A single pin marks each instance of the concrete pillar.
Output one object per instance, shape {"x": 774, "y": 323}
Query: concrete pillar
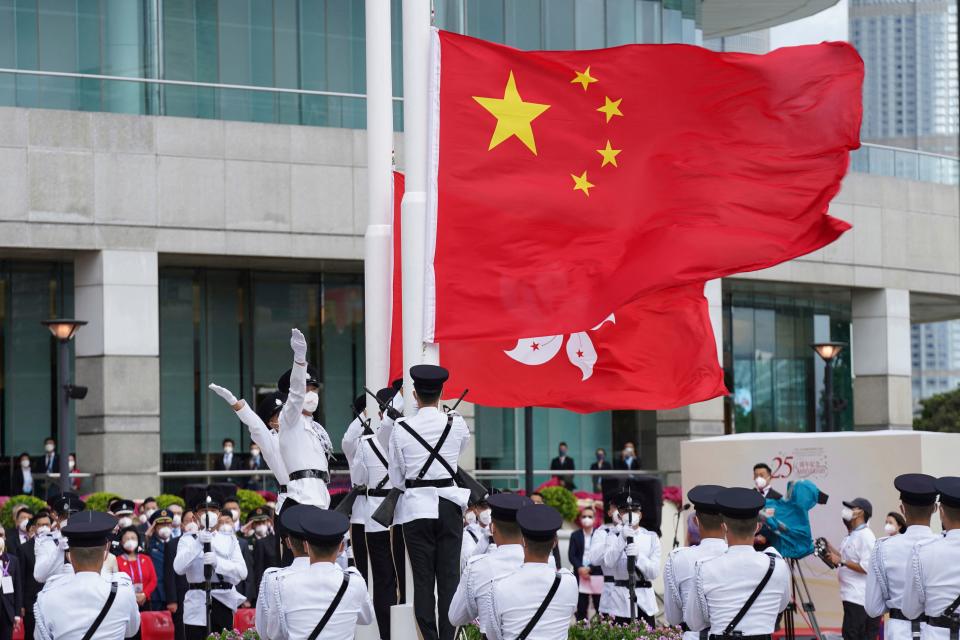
{"x": 699, "y": 420}
{"x": 881, "y": 359}
{"x": 118, "y": 358}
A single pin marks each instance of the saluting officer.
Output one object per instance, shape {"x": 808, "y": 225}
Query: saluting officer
{"x": 423, "y": 455}
{"x": 85, "y": 604}
{"x": 536, "y": 601}
{"x": 679, "y": 569}
{"x": 472, "y": 600}
{"x": 51, "y": 547}
{"x": 322, "y": 600}
{"x": 933, "y": 580}
{"x": 643, "y": 546}
{"x": 889, "y": 570}
{"x": 740, "y": 593}
{"x": 268, "y": 615}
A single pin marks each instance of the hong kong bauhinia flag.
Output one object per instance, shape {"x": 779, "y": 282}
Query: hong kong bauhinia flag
{"x": 657, "y": 352}
{"x": 564, "y": 185}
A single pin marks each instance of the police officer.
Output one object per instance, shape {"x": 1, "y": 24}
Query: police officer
{"x": 933, "y": 581}
{"x": 51, "y": 547}
{"x": 740, "y": 593}
{"x": 423, "y": 455}
{"x": 888, "y": 570}
{"x": 643, "y": 547}
{"x": 678, "y": 571}
{"x": 360, "y": 425}
{"x": 472, "y": 599}
{"x": 268, "y": 615}
{"x": 597, "y": 547}
{"x": 476, "y": 533}
{"x": 536, "y": 601}
{"x": 85, "y": 604}
{"x": 323, "y": 600}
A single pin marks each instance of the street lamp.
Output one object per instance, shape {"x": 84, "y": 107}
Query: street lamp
{"x": 828, "y": 352}
{"x": 63, "y": 330}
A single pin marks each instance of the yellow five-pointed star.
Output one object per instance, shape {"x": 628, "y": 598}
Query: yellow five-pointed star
{"x": 513, "y": 116}
{"x": 609, "y": 155}
{"x": 580, "y": 183}
{"x": 584, "y": 78}
{"x": 610, "y": 107}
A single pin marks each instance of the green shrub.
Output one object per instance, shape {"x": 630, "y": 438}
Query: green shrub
{"x": 6, "y": 513}
{"x": 249, "y": 500}
{"x": 164, "y": 500}
{"x": 100, "y": 500}
{"x": 562, "y": 500}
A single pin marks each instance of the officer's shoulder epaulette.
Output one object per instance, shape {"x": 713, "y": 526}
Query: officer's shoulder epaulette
{"x": 474, "y": 559}
{"x": 676, "y": 552}
{"x": 563, "y": 571}
{"x": 122, "y": 579}
{"x": 272, "y": 570}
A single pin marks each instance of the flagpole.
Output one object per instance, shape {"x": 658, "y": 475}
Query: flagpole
{"x": 528, "y": 449}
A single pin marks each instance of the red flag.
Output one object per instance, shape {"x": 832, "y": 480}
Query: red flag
{"x": 565, "y": 184}
{"x": 658, "y": 352}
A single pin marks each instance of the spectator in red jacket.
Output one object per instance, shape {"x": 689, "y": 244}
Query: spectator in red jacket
{"x": 137, "y": 565}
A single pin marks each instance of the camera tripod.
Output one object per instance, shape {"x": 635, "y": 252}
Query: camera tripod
{"x": 799, "y": 592}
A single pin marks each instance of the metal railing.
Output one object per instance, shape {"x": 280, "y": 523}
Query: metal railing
{"x": 908, "y": 164}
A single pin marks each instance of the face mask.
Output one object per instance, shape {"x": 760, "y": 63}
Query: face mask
{"x": 72, "y": 464}
{"x": 142, "y": 518}
{"x": 3, "y": 544}
{"x": 485, "y": 517}
{"x": 470, "y": 517}
{"x": 165, "y": 533}
{"x": 209, "y": 520}
{"x": 260, "y": 530}
{"x": 49, "y": 448}
{"x": 125, "y": 522}
{"x": 177, "y": 519}
{"x": 191, "y": 527}
{"x": 890, "y": 528}
{"x": 63, "y": 523}
{"x": 226, "y": 529}
{"x": 228, "y": 450}
{"x": 130, "y": 546}
{"x": 586, "y": 522}
{"x": 627, "y": 453}
{"x": 760, "y": 481}
{"x": 615, "y": 518}
{"x": 234, "y": 514}
{"x": 255, "y": 453}
{"x": 43, "y": 530}
{"x": 24, "y": 464}
{"x": 600, "y": 457}
{"x": 150, "y": 512}
{"x": 633, "y": 519}
{"x": 847, "y": 514}
{"x": 563, "y": 452}
{"x": 311, "y": 401}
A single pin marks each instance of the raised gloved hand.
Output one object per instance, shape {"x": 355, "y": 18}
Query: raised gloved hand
{"x": 205, "y": 537}
{"x": 210, "y": 558}
{"x": 223, "y": 393}
{"x": 299, "y": 345}
{"x": 633, "y": 549}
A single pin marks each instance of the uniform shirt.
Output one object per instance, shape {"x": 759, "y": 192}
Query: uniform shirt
{"x": 351, "y": 438}
{"x": 472, "y": 599}
{"x": 50, "y": 552}
{"x": 304, "y": 444}
{"x": 597, "y": 547}
{"x": 230, "y": 567}
{"x": 678, "y": 578}
{"x": 407, "y": 456}
{"x": 268, "y": 615}
{"x": 856, "y": 547}
{"x": 887, "y": 575}
{"x": 476, "y": 542}
{"x": 305, "y": 596}
{"x": 721, "y": 586}
{"x": 368, "y": 469}
{"x": 269, "y": 442}
{"x": 517, "y": 597}
{"x": 648, "y": 563}
{"x": 934, "y": 581}
{"x": 69, "y": 603}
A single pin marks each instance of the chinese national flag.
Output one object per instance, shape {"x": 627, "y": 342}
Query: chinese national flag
{"x": 566, "y": 184}
{"x": 658, "y": 352}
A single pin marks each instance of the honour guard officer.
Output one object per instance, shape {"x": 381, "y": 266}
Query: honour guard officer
{"x": 423, "y": 455}
{"x": 304, "y": 444}
{"x": 889, "y": 560}
{"x": 640, "y": 547}
{"x": 597, "y": 547}
{"x": 51, "y": 547}
{"x": 472, "y": 599}
{"x": 358, "y": 512}
{"x": 476, "y": 531}
{"x": 268, "y": 615}
{"x": 323, "y": 600}
{"x": 933, "y": 579}
{"x": 221, "y": 551}
{"x": 678, "y": 571}
{"x": 85, "y": 604}
{"x": 536, "y": 601}
{"x": 740, "y": 593}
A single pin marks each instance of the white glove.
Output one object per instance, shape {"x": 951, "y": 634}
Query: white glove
{"x": 210, "y": 558}
{"x": 633, "y": 549}
{"x": 205, "y": 537}
{"x": 223, "y": 393}
{"x": 299, "y": 345}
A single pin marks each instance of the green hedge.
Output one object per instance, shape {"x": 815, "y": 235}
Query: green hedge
{"x": 164, "y": 500}
{"x": 6, "y": 513}
{"x": 100, "y": 500}
{"x": 562, "y": 500}
{"x": 249, "y": 500}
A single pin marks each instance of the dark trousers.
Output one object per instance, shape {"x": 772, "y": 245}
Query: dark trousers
{"x": 221, "y": 617}
{"x": 857, "y": 625}
{"x": 384, "y": 574}
{"x": 399, "y": 562}
{"x": 583, "y": 604}
{"x": 434, "y": 548}
{"x": 29, "y": 622}
{"x": 179, "y": 632}
{"x": 286, "y": 556}
{"x": 358, "y": 543}
{"x": 6, "y": 626}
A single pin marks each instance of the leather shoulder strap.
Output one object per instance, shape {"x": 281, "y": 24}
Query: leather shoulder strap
{"x": 434, "y": 451}
{"x": 333, "y": 607}
{"x": 543, "y": 608}
{"x": 949, "y": 611}
{"x": 103, "y": 612}
{"x": 753, "y": 597}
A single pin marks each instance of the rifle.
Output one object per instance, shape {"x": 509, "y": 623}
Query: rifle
{"x": 346, "y": 505}
{"x": 463, "y": 479}
{"x": 385, "y": 407}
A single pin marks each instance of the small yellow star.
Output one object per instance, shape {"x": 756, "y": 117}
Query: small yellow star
{"x": 584, "y": 78}
{"x": 514, "y": 116}
{"x": 580, "y": 183}
{"x": 609, "y": 155}
{"x": 611, "y": 107}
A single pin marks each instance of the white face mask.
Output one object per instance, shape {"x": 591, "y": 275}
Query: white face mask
{"x": 586, "y": 522}
{"x": 130, "y": 546}
{"x": 847, "y": 514}
{"x": 125, "y": 522}
{"x": 150, "y": 512}
{"x": 23, "y": 525}
{"x": 485, "y": 517}
{"x": 615, "y": 518}
{"x": 234, "y": 514}
{"x": 760, "y": 481}
{"x": 209, "y": 520}
{"x": 3, "y": 544}
{"x": 43, "y": 530}
{"x": 72, "y": 464}
{"x": 142, "y": 518}
{"x": 255, "y": 453}
{"x": 633, "y": 519}
{"x": 311, "y": 401}
{"x": 226, "y": 529}
{"x": 228, "y": 450}
{"x": 177, "y": 519}
{"x": 627, "y": 453}
{"x": 49, "y": 447}
{"x": 191, "y": 527}
{"x": 890, "y": 528}
{"x": 261, "y": 530}
{"x": 165, "y": 533}
{"x": 470, "y": 517}
{"x": 24, "y": 464}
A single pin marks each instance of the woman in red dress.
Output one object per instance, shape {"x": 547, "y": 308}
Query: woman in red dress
{"x": 137, "y": 565}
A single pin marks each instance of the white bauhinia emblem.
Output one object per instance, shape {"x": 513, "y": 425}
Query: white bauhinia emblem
{"x": 541, "y": 350}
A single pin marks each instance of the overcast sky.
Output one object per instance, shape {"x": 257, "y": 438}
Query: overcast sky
{"x": 826, "y": 25}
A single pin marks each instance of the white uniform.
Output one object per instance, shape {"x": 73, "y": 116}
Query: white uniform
{"x": 721, "y": 586}
{"x": 517, "y": 597}
{"x": 50, "y": 552}
{"x": 476, "y": 542}
{"x": 368, "y": 469}
{"x": 856, "y": 547}
{"x": 351, "y": 438}
{"x": 934, "y": 581}
{"x": 229, "y": 567}
{"x": 305, "y": 596}
{"x": 472, "y": 599}
{"x": 268, "y": 613}
{"x": 69, "y": 604}
{"x": 597, "y": 547}
{"x": 887, "y": 575}
{"x": 678, "y": 578}
{"x": 304, "y": 444}
{"x": 648, "y": 563}
{"x": 269, "y": 442}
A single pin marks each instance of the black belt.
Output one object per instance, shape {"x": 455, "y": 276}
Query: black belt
{"x": 704, "y": 634}
{"x": 639, "y": 584}
{"x": 283, "y": 488}
{"x": 766, "y": 636}
{"x": 310, "y": 473}
{"x": 378, "y": 493}
{"x": 437, "y": 484}
{"x": 608, "y": 578}
{"x": 214, "y": 586}
{"x": 896, "y": 614}
{"x": 944, "y": 622}
{"x": 359, "y": 488}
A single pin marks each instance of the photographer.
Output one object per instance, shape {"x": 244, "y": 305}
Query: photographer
{"x": 853, "y": 561}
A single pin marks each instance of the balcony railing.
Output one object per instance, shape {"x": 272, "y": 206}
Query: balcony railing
{"x": 908, "y": 164}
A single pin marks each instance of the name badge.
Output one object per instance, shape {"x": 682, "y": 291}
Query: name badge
{"x": 6, "y": 583}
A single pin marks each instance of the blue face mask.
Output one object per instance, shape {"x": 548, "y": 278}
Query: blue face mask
{"x": 600, "y": 457}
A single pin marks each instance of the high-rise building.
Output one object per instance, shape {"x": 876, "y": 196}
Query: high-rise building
{"x": 936, "y": 359}
{"x": 751, "y": 42}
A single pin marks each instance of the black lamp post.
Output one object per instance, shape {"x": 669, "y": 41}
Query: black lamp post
{"x": 64, "y": 330}
{"x": 828, "y": 352}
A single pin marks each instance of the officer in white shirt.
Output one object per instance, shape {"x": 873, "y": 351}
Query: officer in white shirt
{"x": 740, "y": 593}
{"x": 472, "y": 599}
{"x": 221, "y": 552}
{"x": 853, "y": 562}
{"x": 634, "y": 545}
{"x": 304, "y": 445}
{"x": 323, "y": 600}
{"x": 51, "y": 547}
{"x": 70, "y": 604}
{"x": 679, "y": 569}
{"x": 535, "y": 601}
{"x": 361, "y": 425}
{"x": 597, "y": 547}
{"x": 889, "y": 570}
{"x": 933, "y": 582}
{"x": 423, "y": 455}
{"x": 476, "y": 532}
